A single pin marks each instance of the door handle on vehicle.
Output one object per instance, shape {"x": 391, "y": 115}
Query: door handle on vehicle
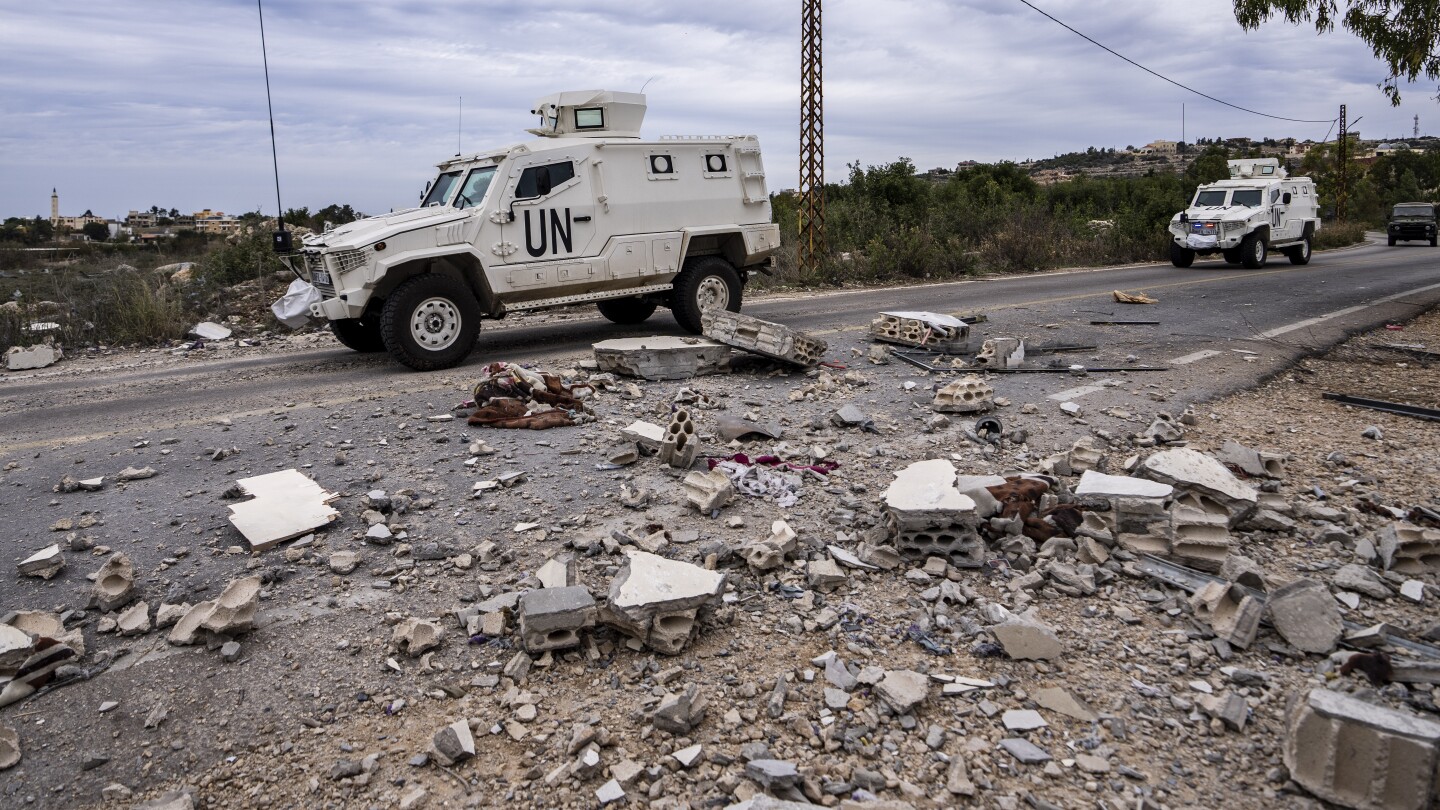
{"x": 585, "y": 218}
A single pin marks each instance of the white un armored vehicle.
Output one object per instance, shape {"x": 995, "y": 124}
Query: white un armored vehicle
{"x": 1257, "y": 210}
{"x": 585, "y": 212}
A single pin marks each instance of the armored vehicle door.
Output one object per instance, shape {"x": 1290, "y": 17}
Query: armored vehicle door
{"x": 548, "y": 211}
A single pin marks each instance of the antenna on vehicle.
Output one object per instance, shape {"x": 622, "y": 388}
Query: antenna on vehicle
{"x": 281, "y": 243}
{"x": 459, "y": 126}
{"x": 647, "y": 83}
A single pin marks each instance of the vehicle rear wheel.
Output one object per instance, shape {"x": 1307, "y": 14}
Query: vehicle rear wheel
{"x": 1181, "y": 257}
{"x": 626, "y": 310}
{"x": 1232, "y": 256}
{"x": 430, "y": 322}
{"x": 1392, "y": 241}
{"x": 359, "y": 334}
{"x": 707, "y": 282}
{"x": 1433, "y": 240}
{"x": 1253, "y": 251}
{"x": 1300, "y": 254}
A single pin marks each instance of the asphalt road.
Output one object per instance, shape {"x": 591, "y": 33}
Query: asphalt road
{"x": 1208, "y": 315}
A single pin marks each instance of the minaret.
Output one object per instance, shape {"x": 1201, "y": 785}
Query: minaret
{"x": 54, "y": 208}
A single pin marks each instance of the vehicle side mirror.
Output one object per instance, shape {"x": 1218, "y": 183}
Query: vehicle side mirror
{"x": 1184, "y": 217}
{"x": 426, "y": 192}
{"x": 1286, "y": 199}
{"x": 542, "y": 181}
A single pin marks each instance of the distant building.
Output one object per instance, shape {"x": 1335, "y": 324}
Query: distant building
{"x": 208, "y": 221}
{"x": 73, "y": 223}
{"x": 140, "y": 219}
{"x": 1161, "y": 147}
{"x": 1387, "y": 148}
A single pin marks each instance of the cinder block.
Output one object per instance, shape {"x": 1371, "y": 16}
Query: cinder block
{"x": 1360, "y": 755}
{"x": 680, "y": 445}
{"x": 1001, "y": 353}
{"x": 1409, "y": 549}
{"x": 708, "y": 491}
{"x": 1199, "y": 532}
{"x": 771, "y": 340}
{"x": 927, "y": 330}
{"x": 1233, "y": 614}
{"x": 969, "y": 394}
{"x": 552, "y": 618}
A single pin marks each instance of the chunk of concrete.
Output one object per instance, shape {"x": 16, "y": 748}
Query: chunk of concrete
{"x": 929, "y": 330}
{"x": 925, "y": 495}
{"x": 234, "y": 611}
{"x": 680, "y": 445}
{"x": 1026, "y": 638}
{"x": 15, "y": 646}
{"x": 764, "y": 338}
{"x": 209, "y": 330}
{"x": 679, "y": 713}
{"x": 824, "y": 575}
{"x": 453, "y": 743}
{"x": 557, "y": 572}
{"x": 1194, "y": 471}
{"x": 134, "y": 620}
{"x": 1199, "y": 532}
{"x": 1363, "y": 579}
{"x": 903, "y": 690}
{"x": 9, "y": 748}
{"x": 286, "y": 505}
{"x": 1003, "y": 352}
{"x": 1121, "y": 486}
{"x": 1356, "y": 754}
{"x": 708, "y": 491}
{"x": 1306, "y": 616}
{"x": 1409, "y": 549}
{"x": 1254, "y": 463}
{"x": 46, "y": 563}
{"x": 1061, "y": 701}
{"x": 552, "y": 618}
{"x": 1022, "y": 749}
{"x": 1233, "y": 615}
{"x": 968, "y": 394}
{"x": 21, "y": 358}
{"x": 114, "y": 584}
{"x": 647, "y": 434}
{"x": 655, "y": 600}
{"x": 414, "y": 637}
{"x": 662, "y": 357}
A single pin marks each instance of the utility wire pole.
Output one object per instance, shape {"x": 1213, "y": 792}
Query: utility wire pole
{"x": 811, "y": 214}
{"x": 1342, "y": 151}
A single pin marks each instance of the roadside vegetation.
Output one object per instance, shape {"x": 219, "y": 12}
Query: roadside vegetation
{"x": 886, "y": 224}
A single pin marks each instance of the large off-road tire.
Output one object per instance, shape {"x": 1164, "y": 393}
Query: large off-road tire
{"x": 1181, "y": 257}
{"x": 626, "y": 310}
{"x": 1253, "y": 251}
{"x": 1300, "y": 254}
{"x": 1392, "y": 241}
{"x": 1433, "y": 240}
{"x": 360, "y": 334}
{"x": 1232, "y": 256}
{"x": 705, "y": 282}
{"x": 430, "y": 322}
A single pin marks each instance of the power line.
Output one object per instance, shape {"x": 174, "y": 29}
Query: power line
{"x": 1168, "y": 79}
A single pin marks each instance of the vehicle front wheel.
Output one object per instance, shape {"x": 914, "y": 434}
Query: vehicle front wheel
{"x": 626, "y": 310}
{"x": 430, "y": 322}
{"x": 1392, "y": 241}
{"x": 1433, "y": 240}
{"x": 1181, "y": 257}
{"x": 1254, "y": 252}
{"x": 1300, "y": 254}
{"x": 707, "y": 282}
{"x": 1232, "y": 255}
{"x": 359, "y": 334}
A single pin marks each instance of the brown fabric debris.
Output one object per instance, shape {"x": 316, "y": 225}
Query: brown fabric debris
{"x": 1133, "y": 298}
{"x": 509, "y": 396}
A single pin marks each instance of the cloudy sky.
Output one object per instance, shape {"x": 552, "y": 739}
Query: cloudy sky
{"x": 125, "y": 104}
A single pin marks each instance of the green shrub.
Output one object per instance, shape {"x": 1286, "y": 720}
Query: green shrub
{"x": 1338, "y": 234}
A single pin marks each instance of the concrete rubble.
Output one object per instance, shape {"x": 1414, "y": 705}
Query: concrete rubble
{"x": 925, "y": 330}
{"x": 657, "y": 601}
{"x": 772, "y": 340}
{"x": 968, "y": 394}
{"x": 1360, "y": 755}
{"x": 114, "y": 584}
{"x": 41, "y": 355}
{"x": 46, "y": 563}
{"x": 553, "y": 618}
{"x": 1002, "y": 352}
{"x": 680, "y": 445}
{"x": 662, "y": 357}
{"x": 286, "y": 505}
{"x": 708, "y": 491}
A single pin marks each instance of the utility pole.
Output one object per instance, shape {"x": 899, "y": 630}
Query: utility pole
{"x": 811, "y": 215}
{"x": 1342, "y": 149}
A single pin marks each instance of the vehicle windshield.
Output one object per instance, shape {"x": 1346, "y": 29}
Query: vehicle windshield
{"x": 1213, "y": 197}
{"x": 1414, "y": 211}
{"x": 472, "y": 193}
{"x": 440, "y": 191}
{"x": 1246, "y": 196}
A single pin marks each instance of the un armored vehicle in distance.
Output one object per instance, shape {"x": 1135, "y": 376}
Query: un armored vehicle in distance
{"x": 1258, "y": 210}
{"x": 586, "y": 212}
{"x": 1412, "y": 221}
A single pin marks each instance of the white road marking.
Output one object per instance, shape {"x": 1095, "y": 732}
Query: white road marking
{"x": 1076, "y": 393}
{"x": 1340, "y": 313}
{"x": 1193, "y": 356}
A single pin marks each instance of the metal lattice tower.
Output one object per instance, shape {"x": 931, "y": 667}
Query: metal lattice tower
{"x": 812, "y": 142}
{"x": 1417, "y": 127}
{"x": 1342, "y": 157}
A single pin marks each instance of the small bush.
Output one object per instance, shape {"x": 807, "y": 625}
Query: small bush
{"x": 1338, "y": 234}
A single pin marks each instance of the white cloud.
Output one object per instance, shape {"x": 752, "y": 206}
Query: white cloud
{"x": 128, "y": 104}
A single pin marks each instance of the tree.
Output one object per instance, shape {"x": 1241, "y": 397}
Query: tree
{"x": 1209, "y": 166}
{"x": 96, "y": 231}
{"x": 1402, "y": 33}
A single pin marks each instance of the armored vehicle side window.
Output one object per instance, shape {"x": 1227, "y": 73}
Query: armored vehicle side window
{"x": 590, "y": 118}
{"x": 1212, "y": 197}
{"x": 440, "y": 191}
{"x": 472, "y": 193}
{"x": 1247, "y": 196}
{"x": 529, "y": 185}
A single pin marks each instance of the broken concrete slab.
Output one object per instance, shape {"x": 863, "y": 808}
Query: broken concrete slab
{"x": 1409, "y": 549}
{"x": 557, "y": 572}
{"x": 655, "y": 600}
{"x": 1362, "y": 579}
{"x": 773, "y": 340}
{"x": 1201, "y": 474}
{"x": 1233, "y": 614}
{"x": 552, "y": 618}
{"x": 136, "y": 474}
{"x": 114, "y": 584}
{"x": 1121, "y": 486}
{"x": 15, "y": 646}
{"x": 968, "y": 394}
{"x": 22, "y": 358}
{"x": 414, "y": 637}
{"x": 286, "y": 505}
{"x": 708, "y": 491}
{"x": 903, "y": 690}
{"x": 134, "y": 620}
{"x": 927, "y": 330}
{"x": 662, "y": 357}
{"x": 924, "y": 494}
{"x": 453, "y": 743}
{"x": 1024, "y": 637}
{"x": 1306, "y": 616}
{"x": 1356, "y": 754}
{"x": 1025, "y": 751}
{"x": 1061, "y": 701}
{"x": 45, "y": 563}
{"x": 647, "y": 434}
